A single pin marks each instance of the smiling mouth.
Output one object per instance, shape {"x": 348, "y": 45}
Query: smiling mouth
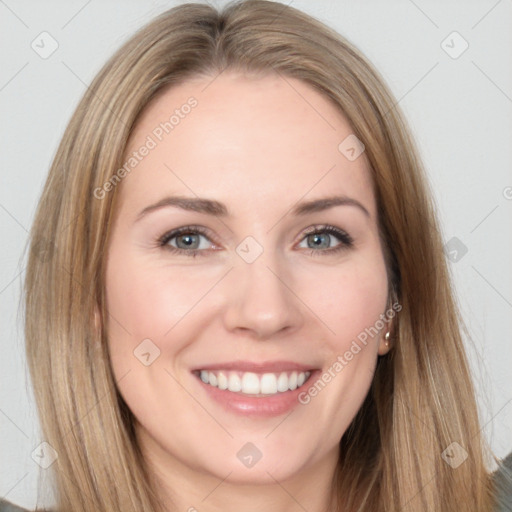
{"x": 253, "y": 384}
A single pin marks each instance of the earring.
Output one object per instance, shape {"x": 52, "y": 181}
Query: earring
{"x": 386, "y": 337}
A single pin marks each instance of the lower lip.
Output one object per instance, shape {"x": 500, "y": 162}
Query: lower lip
{"x": 260, "y": 406}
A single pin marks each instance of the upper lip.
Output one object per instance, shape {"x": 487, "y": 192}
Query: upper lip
{"x": 263, "y": 367}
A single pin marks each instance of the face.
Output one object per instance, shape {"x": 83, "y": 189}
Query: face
{"x": 242, "y": 310}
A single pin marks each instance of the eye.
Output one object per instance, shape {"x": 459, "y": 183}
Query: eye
{"x": 187, "y": 240}
{"x": 321, "y": 236}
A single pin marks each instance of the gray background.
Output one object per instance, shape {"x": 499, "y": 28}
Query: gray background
{"x": 460, "y": 110}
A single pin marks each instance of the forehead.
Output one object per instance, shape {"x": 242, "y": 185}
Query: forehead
{"x": 244, "y": 141}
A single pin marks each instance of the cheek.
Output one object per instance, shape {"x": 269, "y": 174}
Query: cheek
{"x": 147, "y": 300}
{"x": 349, "y": 300}
{"x": 351, "y": 305}
{"x": 144, "y": 303}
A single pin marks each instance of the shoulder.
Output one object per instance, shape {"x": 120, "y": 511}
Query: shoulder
{"x": 5, "y": 506}
{"x": 503, "y": 480}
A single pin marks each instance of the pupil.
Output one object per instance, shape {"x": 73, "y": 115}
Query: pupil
{"x": 318, "y": 238}
{"x": 189, "y": 240}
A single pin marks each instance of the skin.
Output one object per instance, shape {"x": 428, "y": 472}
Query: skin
{"x": 258, "y": 145}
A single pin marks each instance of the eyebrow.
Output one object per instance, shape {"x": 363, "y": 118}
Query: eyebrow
{"x": 212, "y": 207}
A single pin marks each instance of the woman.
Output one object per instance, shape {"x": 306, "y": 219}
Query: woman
{"x": 190, "y": 352}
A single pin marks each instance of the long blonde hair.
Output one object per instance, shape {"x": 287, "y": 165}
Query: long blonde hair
{"x": 422, "y": 397}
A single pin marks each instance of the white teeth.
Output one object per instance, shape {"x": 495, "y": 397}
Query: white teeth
{"x": 268, "y": 384}
{"x": 250, "y": 383}
{"x": 282, "y": 383}
{"x": 292, "y": 381}
{"x": 234, "y": 382}
{"x": 222, "y": 381}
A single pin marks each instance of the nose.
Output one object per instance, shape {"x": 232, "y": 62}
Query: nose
{"x": 261, "y": 299}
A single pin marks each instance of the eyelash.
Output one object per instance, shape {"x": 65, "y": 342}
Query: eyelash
{"x": 345, "y": 239}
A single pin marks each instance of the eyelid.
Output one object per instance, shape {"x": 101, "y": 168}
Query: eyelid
{"x": 346, "y": 241}
{"x": 169, "y": 235}
{"x": 326, "y": 228}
